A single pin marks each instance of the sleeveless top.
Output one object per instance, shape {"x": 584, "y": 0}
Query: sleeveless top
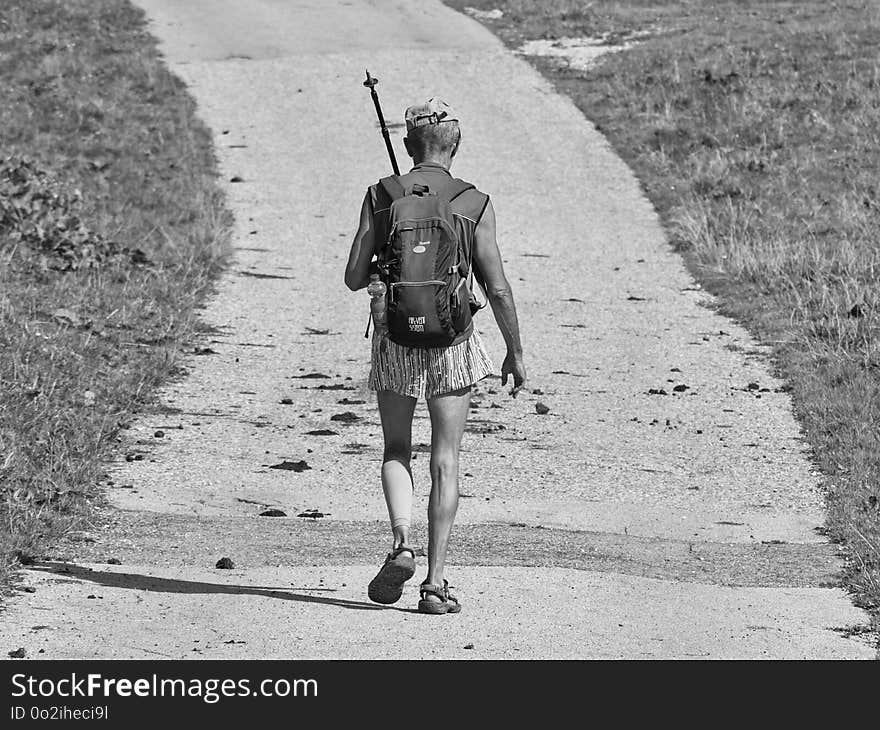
{"x": 469, "y": 206}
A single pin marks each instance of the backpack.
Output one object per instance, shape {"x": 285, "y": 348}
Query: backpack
{"x": 425, "y": 266}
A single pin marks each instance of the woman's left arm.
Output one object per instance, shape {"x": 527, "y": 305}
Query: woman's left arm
{"x": 357, "y": 271}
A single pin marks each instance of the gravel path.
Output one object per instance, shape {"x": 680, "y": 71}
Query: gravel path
{"x": 664, "y": 507}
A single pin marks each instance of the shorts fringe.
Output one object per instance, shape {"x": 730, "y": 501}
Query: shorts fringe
{"x": 428, "y": 372}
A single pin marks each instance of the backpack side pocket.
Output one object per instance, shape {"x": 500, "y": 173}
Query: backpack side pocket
{"x": 460, "y": 306}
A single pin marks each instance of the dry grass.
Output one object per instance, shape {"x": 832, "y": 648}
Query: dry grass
{"x": 754, "y": 127}
{"x": 85, "y": 338}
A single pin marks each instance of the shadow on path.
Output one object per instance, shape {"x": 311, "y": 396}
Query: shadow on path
{"x": 173, "y": 585}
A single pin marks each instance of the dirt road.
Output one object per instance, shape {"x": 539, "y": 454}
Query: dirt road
{"x": 664, "y": 507}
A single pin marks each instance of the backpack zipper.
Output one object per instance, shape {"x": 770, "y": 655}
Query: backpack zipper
{"x": 417, "y": 283}
{"x": 428, "y": 282}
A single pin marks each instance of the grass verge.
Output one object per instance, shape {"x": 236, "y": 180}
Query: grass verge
{"x": 112, "y": 228}
{"x": 754, "y": 128}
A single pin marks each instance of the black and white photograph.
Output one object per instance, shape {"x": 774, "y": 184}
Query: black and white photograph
{"x": 437, "y": 330}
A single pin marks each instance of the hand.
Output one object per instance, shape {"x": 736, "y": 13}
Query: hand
{"x": 513, "y": 365}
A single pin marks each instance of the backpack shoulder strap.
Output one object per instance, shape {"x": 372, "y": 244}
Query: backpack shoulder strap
{"x": 393, "y": 187}
{"x": 455, "y": 188}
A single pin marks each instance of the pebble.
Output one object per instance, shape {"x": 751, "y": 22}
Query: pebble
{"x": 297, "y": 466}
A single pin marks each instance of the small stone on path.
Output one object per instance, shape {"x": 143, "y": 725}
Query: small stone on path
{"x": 297, "y": 466}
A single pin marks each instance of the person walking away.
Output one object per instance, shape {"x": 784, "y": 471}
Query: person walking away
{"x": 427, "y": 349}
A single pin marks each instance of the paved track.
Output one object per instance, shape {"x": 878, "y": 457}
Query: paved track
{"x": 668, "y": 525}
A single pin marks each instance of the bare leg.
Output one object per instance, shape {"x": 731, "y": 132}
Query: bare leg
{"x": 448, "y": 417}
{"x": 396, "y": 412}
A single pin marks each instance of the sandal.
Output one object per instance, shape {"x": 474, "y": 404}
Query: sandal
{"x": 447, "y": 603}
{"x": 387, "y": 586}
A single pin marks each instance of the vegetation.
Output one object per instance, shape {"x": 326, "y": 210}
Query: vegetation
{"x": 111, "y": 230}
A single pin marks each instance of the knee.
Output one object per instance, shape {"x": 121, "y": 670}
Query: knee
{"x": 444, "y": 467}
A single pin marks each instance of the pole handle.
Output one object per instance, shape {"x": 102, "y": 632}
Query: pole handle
{"x": 370, "y": 83}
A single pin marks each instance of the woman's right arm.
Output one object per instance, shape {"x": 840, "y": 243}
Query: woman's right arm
{"x": 488, "y": 261}
{"x": 357, "y": 271}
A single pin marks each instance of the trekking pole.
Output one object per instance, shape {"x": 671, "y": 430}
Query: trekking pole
{"x": 370, "y": 83}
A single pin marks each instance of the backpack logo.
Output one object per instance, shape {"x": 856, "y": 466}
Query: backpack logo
{"x": 420, "y": 246}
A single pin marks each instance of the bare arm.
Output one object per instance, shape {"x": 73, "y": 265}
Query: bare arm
{"x": 488, "y": 260}
{"x": 357, "y": 271}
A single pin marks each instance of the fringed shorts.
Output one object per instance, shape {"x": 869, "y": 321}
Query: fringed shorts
{"x": 428, "y": 372}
